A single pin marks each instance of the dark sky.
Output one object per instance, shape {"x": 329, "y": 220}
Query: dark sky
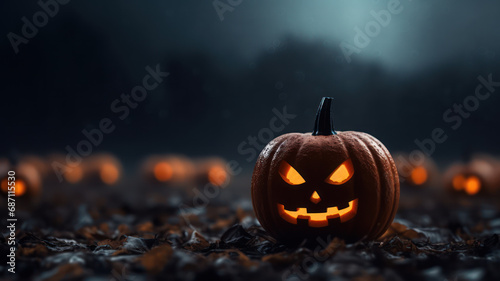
{"x": 227, "y": 76}
{"x": 423, "y": 34}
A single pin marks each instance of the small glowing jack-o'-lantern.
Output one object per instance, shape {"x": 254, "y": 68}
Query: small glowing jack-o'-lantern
{"x": 213, "y": 171}
{"x": 63, "y": 171}
{"x": 421, "y": 172}
{"x": 481, "y": 176}
{"x": 101, "y": 169}
{"x": 25, "y": 183}
{"x": 459, "y": 178}
{"x": 339, "y": 184}
{"x": 470, "y": 184}
{"x": 169, "y": 169}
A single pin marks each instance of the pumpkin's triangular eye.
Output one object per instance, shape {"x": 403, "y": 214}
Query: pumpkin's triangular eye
{"x": 342, "y": 174}
{"x": 290, "y": 175}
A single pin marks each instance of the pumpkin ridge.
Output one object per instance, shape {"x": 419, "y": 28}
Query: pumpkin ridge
{"x": 373, "y": 162}
{"x": 390, "y": 182}
{"x": 257, "y": 186}
{"x": 342, "y": 142}
{"x": 394, "y": 185}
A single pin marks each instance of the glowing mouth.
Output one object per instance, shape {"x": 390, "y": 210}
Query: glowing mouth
{"x": 319, "y": 219}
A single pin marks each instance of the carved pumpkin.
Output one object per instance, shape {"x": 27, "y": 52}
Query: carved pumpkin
{"x": 28, "y": 183}
{"x": 420, "y": 174}
{"x": 72, "y": 173}
{"x": 481, "y": 176}
{"x": 168, "y": 169}
{"x": 325, "y": 184}
{"x": 213, "y": 171}
{"x": 101, "y": 169}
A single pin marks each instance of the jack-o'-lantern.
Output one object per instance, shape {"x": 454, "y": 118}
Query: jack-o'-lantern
{"x": 63, "y": 171}
{"x": 325, "y": 184}
{"x": 481, "y": 176}
{"x": 168, "y": 169}
{"x": 27, "y": 182}
{"x": 102, "y": 169}
{"x": 213, "y": 171}
{"x": 420, "y": 172}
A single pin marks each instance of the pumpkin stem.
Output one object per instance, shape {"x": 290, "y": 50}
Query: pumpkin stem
{"x": 324, "y": 119}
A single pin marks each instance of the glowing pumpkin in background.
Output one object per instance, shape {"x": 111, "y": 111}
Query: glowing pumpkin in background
{"x": 337, "y": 184}
{"x": 421, "y": 174}
{"x": 481, "y": 176}
{"x": 213, "y": 171}
{"x": 101, "y": 169}
{"x": 168, "y": 169}
{"x": 28, "y": 183}
{"x": 71, "y": 173}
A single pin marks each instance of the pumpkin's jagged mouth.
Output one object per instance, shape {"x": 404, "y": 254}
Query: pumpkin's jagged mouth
{"x": 319, "y": 219}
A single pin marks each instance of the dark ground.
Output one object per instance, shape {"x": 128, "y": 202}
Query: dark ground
{"x": 434, "y": 237}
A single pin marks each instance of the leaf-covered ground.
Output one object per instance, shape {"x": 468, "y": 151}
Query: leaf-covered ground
{"x": 430, "y": 240}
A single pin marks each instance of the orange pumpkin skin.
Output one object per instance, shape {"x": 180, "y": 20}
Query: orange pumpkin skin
{"x": 374, "y": 183}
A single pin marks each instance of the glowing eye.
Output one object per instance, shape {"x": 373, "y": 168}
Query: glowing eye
{"x": 163, "y": 171}
{"x": 20, "y": 187}
{"x": 342, "y": 174}
{"x": 290, "y": 175}
{"x": 419, "y": 175}
{"x": 472, "y": 185}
